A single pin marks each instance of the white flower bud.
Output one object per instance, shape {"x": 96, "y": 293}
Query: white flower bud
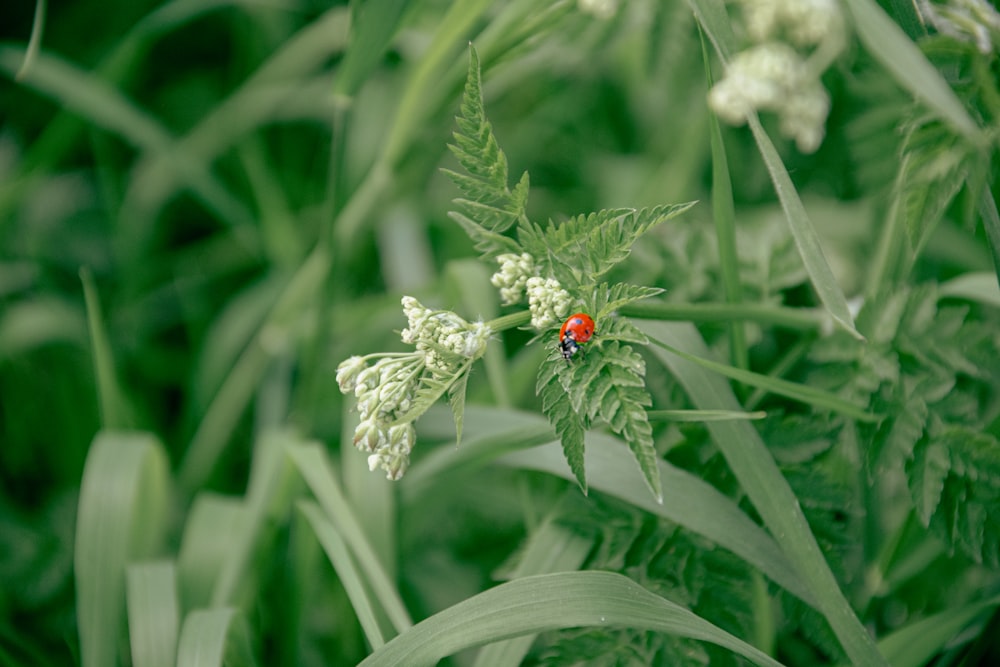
{"x": 547, "y": 301}
{"x": 347, "y": 373}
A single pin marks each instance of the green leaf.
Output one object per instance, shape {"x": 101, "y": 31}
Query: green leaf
{"x": 548, "y": 602}
{"x": 122, "y": 516}
{"x": 926, "y": 473}
{"x": 153, "y": 613}
{"x": 580, "y": 250}
{"x": 968, "y": 515}
{"x": 609, "y": 298}
{"x": 917, "y": 643}
{"x": 215, "y": 638}
{"x": 488, "y": 243}
{"x": 567, "y": 422}
{"x": 934, "y": 168}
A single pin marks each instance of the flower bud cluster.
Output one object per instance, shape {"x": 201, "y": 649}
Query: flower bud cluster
{"x": 385, "y": 392}
{"x": 547, "y": 301}
{"x": 513, "y": 276}
{"x": 444, "y": 339}
{"x": 385, "y": 385}
{"x": 776, "y": 73}
{"x": 774, "y": 77}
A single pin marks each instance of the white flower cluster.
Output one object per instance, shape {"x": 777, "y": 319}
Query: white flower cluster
{"x": 513, "y": 276}
{"x": 804, "y": 22}
{"x": 773, "y": 75}
{"x": 386, "y": 389}
{"x": 967, "y": 20}
{"x": 547, "y": 300}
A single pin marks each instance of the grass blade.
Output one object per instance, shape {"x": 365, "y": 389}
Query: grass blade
{"x": 122, "y": 515}
{"x": 917, "y": 643}
{"x": 336, "y": 550}
{"x": 113, "y": 407}
{"x": 549, "y": 602}
{"x": 153, "y": 613}
{"x": 315, "y": 469}
{"x": 213, "y": 638}
{"x": 758, "y": 474}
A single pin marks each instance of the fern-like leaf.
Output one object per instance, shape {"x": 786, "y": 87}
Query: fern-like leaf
{"x": 488, "y": 243}
{"x": 580, "y": 250}
{"x": 569, "y": 425}
{"x": 955, "y": 483}
{"x": 488, "y": 201}
{"x": 609, "y": 298}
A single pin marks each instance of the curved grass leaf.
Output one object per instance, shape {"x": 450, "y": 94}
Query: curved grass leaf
{"x": 917, "y": 643}
{"x": 758, "y": 474}
{"x": 122, "y": 515}
{"x": 153, "y": 613}
{"x": 215, "y": 637}
{"x": 550, "y": 602}
{"x": 372, "y": 26}
{"x": 113, "y": 406}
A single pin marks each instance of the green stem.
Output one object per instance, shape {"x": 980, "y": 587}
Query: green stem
{"x": 511, "y": 321}
{"x": 802, "y": 319}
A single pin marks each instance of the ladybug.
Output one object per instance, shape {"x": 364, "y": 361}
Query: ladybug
{"x": 577, "y": 329}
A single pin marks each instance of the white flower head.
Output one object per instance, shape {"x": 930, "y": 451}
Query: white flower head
{"x": 347, "y": 373}
{"x": 512, "y": 276}
{"x": 547, "y": 300}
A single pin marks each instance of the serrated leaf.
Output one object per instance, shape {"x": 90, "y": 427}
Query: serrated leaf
{"x": 609, "y": 298}
{"x": 580, "y": 250}
{"x": 896, "y": 437}
{"x": 968, "y": 515}
{"x": 489, "y": 203}
{"x": 568, "y": 424}
{"x": 926, "y": 473}
{"x": 489, "y": 244}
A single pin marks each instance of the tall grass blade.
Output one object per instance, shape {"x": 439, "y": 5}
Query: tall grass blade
{"x": 215, "y": 638}
{"x": 113, "y": 406}
{"x": 336, "y": 550}
{"x": 122, "y": 516}
{"x": 153, "y": 613}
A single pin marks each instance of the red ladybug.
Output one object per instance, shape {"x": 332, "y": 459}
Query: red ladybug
{"x": 577, "y": 329}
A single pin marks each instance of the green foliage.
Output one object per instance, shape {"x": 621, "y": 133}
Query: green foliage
{"x": 189, "y": 249}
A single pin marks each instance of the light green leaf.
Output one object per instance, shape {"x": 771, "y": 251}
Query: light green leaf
{"x": 373, "y": 23}
{"x": 215, "y": 638}
{"x": 981, "y": 287}
{"x": 153, "y": 613}
{"x": 549, "y": 602}
{"x": 917, "y": 643}
{"x": 122, "y": 516}
{"x": 114, "y": 409}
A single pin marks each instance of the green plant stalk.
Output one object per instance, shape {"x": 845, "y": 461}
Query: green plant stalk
{"x": 724, "y": 216}
{"x": 785, "y": 364}
{"x": 802, "y": 319}
{"x": 891, "y": 246}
